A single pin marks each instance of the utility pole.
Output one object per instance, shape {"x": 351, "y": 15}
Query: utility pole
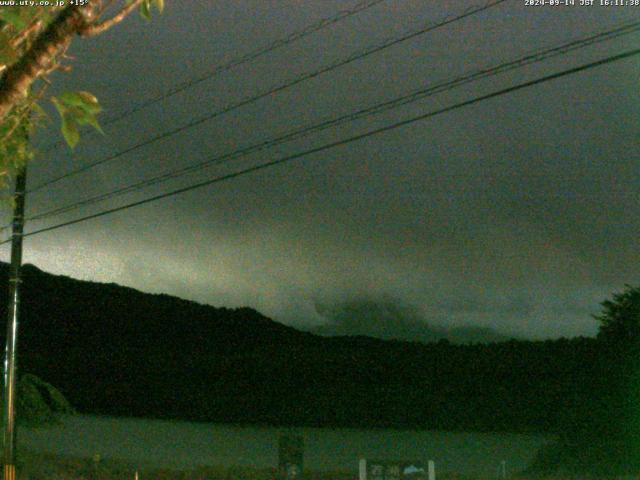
{"x": 9, "y": 413}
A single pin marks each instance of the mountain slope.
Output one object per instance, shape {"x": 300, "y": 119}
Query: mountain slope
{"x": 114, "y": 350}
{"x": 386, "y": 319}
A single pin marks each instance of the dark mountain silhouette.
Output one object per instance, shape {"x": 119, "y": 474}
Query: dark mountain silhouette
{"x": 117, "y": 351}
{"x": 387, "y": 319}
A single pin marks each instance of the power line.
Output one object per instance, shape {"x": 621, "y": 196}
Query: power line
{"x": 304, "y": 77}
{"x": 291, "y": 38}
{"x": 236, "y": 62}
{"x": 345, "y": 141}
{"x": 420, "y": 94}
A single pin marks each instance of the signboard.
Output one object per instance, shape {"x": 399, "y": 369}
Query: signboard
{"x": 290, "y": 455}
{"x": 392, "y": 470}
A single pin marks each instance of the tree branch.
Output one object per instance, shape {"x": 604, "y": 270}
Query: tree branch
{"x": 98, "y": 28}
{"x": 24, "y": 34}
{"x": 24, "y": 113}
{"x": 16, "y": 80}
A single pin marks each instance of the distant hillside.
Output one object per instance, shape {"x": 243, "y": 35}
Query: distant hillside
{"x": 388, "y": 320}
{"x": 117, "y": 351}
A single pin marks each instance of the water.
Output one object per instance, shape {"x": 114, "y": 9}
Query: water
{"x": 158, "y": 443}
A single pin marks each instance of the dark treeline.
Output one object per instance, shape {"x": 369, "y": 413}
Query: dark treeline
{"x": 116, "y": 351}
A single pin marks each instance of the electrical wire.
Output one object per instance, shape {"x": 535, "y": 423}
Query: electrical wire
{"x": 304, "y": 77}
{"x": 236, "y": 62}
{"x": 528, "y": 59}
{"x": 289, "y": 158}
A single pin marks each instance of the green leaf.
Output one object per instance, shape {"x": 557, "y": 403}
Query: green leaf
{"x": 93, "y": 121}
{"x": 15, "y": 16}
{"x": 70, "y": 98}
{"x": 84, "y": 100}
{"x": 76, "y": 109}
{"x": 145, "y": 9}
{"x": 83, "y": 117}
{"x": 79, "y": 115}
{"x": 159, "y": 4}
{"x": 90, "y": 101}
{"x": 70, "y": 131}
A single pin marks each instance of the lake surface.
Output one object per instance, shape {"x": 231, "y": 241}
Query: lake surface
{"x": 178, "y": 444}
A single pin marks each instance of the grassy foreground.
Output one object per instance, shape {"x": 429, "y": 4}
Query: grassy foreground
{"x": 55, "y": 467}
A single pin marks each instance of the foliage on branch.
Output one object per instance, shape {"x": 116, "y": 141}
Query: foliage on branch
{"x": 33, "y": 43}
{"x": 620, "y": 317}
{"x": 75, "y": 109}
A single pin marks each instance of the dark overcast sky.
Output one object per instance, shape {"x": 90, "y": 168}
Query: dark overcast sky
{"x": 520, "y": 213}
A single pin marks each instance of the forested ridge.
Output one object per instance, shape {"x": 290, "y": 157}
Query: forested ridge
{"x": 117, "y": 351}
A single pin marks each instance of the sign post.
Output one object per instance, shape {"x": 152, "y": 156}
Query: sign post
{"x": 391, "y": 470}
{"x": 290, "y": 456}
